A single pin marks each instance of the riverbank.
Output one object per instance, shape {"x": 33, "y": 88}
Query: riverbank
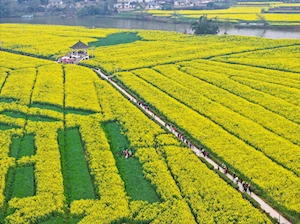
{"x": 158, "y": 24}
{"x": 223, "y": 24}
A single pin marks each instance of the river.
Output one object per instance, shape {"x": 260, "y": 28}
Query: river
{"x": 149, "y": 25}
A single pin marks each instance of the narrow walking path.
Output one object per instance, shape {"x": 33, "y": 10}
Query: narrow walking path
{"x": 264, "y": 206}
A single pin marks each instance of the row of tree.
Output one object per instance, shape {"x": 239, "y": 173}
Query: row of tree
{"x": 205, "y": 26}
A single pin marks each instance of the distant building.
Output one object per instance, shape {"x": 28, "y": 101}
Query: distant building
{"x": 153, "y": 5}
{"x": 191, "y": 3}
{"x": 69, "y": 11}
{"x": 181, "y": 3}
{"x": 55, "y": 3}
{"x": 198, "y": 3}
{"x": 124, "y": 5}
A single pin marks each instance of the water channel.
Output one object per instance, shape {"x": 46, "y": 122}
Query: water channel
{"x": 149, "y": 25}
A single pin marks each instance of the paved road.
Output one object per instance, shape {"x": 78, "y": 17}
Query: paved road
{"x": 268, "y": 209}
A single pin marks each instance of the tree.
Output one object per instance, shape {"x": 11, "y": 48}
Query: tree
{"x": 141, "y": 6}
{"x": 210, "y": 5}
{"x": 261, "y": 19}
{"x": 205, "y": 26}
{"x": 4, "y": 8}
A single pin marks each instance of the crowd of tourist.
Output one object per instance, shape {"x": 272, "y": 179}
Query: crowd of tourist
{"x": 128, "y": 153}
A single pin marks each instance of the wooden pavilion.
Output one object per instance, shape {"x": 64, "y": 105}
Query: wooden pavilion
{"x": 79, "y": 51}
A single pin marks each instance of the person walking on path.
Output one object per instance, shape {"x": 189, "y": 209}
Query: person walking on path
{"x": 249, "y": 188}
{"x": 226, "y": 170}
{"x": 236, "y": 180}
{"x": 245, "y": 187}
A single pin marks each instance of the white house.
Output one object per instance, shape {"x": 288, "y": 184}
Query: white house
{"x": 55, "y": 3}
{"x": 125, "y": 5}
{"x": 198, "y": 3}
{"x": 152, "y": 5}
{"x": 181, "y": 3}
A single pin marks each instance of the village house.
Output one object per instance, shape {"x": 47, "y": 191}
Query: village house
{"x": 55, "y": 3}
{"x": 153, "y": 5}
{"x": 125, "y": 5}
{"x": 181, "y": 3}
{"x": 190, "y": 3}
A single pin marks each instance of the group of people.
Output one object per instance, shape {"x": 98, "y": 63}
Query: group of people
{"x": 128, "y": 153}
{"x": 142, "y": 104}
{"x": 146, "y": 107}
{"x": 225, "y": 168}
{"x": 179, "y": 135}
{"x": 205, "y": 153}
{"x": 246, "y": 186}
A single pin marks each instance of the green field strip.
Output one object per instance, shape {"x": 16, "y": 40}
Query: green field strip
{"x": 67, "y": 218}
{"x": 15, "y": 147}
{"x": 9, "y": 184}
{"x": 22, "y": 146}
{"x": 24, "y": 183}
{"x": 61, "y": 110}
{"x": 2, "y": 215}
{"x": 77, "y": 179}
{"x": 20, "y": 182}
{"x": 7, "y": 127}
{"x": 40, "y": 118}
{"x": 31, "y": 117}
{"x": 54, "y": 220}
{"x": 48, "y": 107}
{"x": 7, "y": 100}
{"x": 131, "y": 171}
{"x": 27, "y": 146}
{"x": 14, "y": 114}
{"x": 114, "y": 39}
{"x": 60, "y": 220}
{"x": 61, "y": 143}
{"x": 78, "y": 111}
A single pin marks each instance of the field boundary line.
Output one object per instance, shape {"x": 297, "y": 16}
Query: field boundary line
{"x": 254, "y": 66}
{"x": 245, "y": 98}
{"x": 223, "y": 127}
{"x": 237, "y": 111}
{"x": 221, "y": 55}
{"x": 268, "y": 93}
{"x": 264, "y": 206}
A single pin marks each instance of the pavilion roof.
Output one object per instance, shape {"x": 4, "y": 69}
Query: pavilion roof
{"x": 79, "y": 45}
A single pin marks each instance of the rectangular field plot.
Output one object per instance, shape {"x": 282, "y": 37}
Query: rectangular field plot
{"x": 14, "y": 87}
{"x": 22, "y": 146}
{"x": 20, "y": 182}
{"x": 131, "y": 171}
{"x": 77, "y": 179}
{"x": 23, "y": 184}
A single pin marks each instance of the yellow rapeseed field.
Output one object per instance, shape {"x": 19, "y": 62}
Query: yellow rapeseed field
{"x": 237, "y": 97}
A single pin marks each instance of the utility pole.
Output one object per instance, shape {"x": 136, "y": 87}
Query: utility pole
{"x": 117, "y": 71}
{"x": 1, "y": 47}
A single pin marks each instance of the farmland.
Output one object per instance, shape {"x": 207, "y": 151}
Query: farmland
{"x": 63, "y": 129}
{"x": 273, "y": 13}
